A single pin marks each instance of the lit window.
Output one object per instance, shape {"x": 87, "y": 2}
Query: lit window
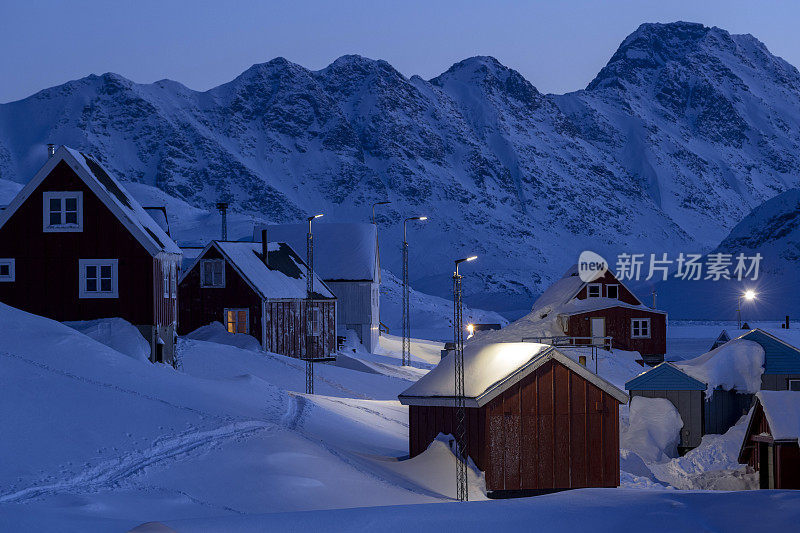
{"x": 7, "y": 270}
{"x": 640, "y": 328}
{"x": 794, "y": 385}
{"x": 594, "y": 290}
{"x": 63, "y": 211}
{"x": 212, "y": 273}
{"x": 98, "y": 278}
{"x": 612, "y": 291}
{"x": 236, "y": 320}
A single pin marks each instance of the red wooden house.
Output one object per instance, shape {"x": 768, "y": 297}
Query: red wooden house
{"x": 74, "y": 245}
{"x": 260, "y": 292}
{"x": 603, "y": 307}
{"x": 536, "y": 421}
{"x": 772, "y": 440}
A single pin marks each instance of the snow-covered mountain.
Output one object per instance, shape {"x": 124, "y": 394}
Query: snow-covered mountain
{"x": 680, "y": 135}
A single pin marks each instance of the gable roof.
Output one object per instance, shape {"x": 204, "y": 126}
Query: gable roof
{"x": 284, "y": 278}
{"x": 109, "y": 191}
{"x": 342, "y": 251}
{"x": 780, "y": 357}
{"x": 782, "y": 411}
{"x": 665, "y": 376}
{"x": 722, "y": 339}
{"x": 490, "y": 370}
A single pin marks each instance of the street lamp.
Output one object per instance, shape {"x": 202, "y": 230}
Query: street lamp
{"x": 309, "y": 303}
{"x": 406, "y": 357}
{"x": 373, "y": 209}
{"x": 748, "y": 295}
{"x": 458, "y": 355}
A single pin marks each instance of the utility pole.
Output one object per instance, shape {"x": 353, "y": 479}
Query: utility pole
{"x": 462, "y": 491}
{"x": 222, "y": 207}
{"x": 406, "y": 357}
{"x": 309, "y": 306}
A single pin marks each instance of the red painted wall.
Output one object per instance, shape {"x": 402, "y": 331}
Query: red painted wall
{"x": 618, "y": 325}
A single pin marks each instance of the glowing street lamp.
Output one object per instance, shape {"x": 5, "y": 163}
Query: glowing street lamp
{"x": 406, "y": 356}
{"x": 749, "y": 295}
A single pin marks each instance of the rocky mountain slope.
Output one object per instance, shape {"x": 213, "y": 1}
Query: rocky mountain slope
{"x": 679, "y": 136}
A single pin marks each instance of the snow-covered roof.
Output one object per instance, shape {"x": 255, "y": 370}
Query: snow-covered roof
{"x": 737, "y": 364}
{"x": 782, "y": 409}
{"x": 109, "y": 191}
{"x": 491, "y": 369}
{"x": 781, "y": 357}
{"x": 285, "y": 277}
{"x": 342, "y": 251}
{"x": 665, "y": 376}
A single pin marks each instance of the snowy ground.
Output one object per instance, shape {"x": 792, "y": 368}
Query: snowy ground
{"x": 103, "y": 441}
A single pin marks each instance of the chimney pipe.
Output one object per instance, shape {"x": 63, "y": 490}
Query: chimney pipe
{"x": 51, "y": 150}
{"x": 787, "y": 321}
{"x": 264, "y": 247}
{"x": 223, "y": 210}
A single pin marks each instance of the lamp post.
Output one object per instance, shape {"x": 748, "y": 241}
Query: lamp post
{"x": 373, "y": 209}
{"x": 462, "y": 492}
{"x": 748, "y": 295}
{"x": 309, "y": 304}
{"x": 406, "y": 357}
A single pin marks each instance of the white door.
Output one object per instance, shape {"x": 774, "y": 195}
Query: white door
{"x": 598, "y": 327}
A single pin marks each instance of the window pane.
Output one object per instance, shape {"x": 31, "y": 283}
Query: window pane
{"x": 91, "y": 285}
{"x": 91, "y": 271}
{"x": 243, "y": 316}
{"x": 794, "y": 385}
{"x": 105, "y": 285}
{"x": 71, "y": 204}
{"x": 5, "y": 270}
{"x": 105, "y": 271}
{"x": 55, "y": 204}
{"x": 55, "y": 218}
{"x": 70, "y": 218}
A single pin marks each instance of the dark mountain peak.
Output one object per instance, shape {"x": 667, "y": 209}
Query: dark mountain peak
{"x": 349, "y": 72}
{"x": 492, "y": 77}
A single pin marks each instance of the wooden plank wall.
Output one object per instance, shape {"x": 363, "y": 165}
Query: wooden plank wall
{"x": 690, "y": 405}
{"x": 618, "y": 325}
{"x": 426, "y": 422}
{"x": 287, "y": 328}
{"x": 724, "y": 408}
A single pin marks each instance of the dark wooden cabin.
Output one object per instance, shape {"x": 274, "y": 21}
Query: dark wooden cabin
{"x": 604, "y": 307}
{"x": 537, "y": 420}
{"x": 74, "y": 245}
{"x": 231, "y": 283}
{"x": 770, "y": 443}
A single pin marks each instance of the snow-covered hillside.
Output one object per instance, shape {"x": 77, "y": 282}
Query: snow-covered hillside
{"x": 679, "y": 136}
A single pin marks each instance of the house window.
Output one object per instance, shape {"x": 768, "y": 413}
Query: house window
{"x": 640, "y": 328}
{"x": 6, "y": 270}
{"x": 173, "y": 277}
{"x": 212, "y": 273}
{"x": 63, "y": 211}
{"x": 165, "y": 278}
{"x": 237, "y": 320}
{"x": 316, "y": 321}
{"x": 98, "y": 278}
{"x": 794, "y": 385}
{"x": 612, "y": 291}
{"x": 594, "y": 290}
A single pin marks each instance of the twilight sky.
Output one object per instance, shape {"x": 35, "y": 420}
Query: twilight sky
{"x": 559, "y": 45}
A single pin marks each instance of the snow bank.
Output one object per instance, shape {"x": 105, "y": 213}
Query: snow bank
{"x": 737, "y": 364}
{"x": 115, "y": 333}
{"x": 783, "y": 413}
{"x": 216, "y": 332}
{"x": 653, "y": 431}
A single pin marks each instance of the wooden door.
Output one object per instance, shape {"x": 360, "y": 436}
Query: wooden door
{"x": 598, "y": 327}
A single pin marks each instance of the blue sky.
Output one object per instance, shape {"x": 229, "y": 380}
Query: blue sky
{"x": 558, "y": 45}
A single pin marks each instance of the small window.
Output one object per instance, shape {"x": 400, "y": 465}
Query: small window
{"x": 640, "y": 328}
{"x": 98, "y": 278}
{"x": 63, "y": 211}
{"x": 173, "y": 277}
{"x": 612, "y": 291}
{"x": 794, "y": 385}
{"x": 316, "y": 321}
{"x": 594, "y": 290}
{"x": 7, "y": 272}
{"x": 165, "y": 278}
{"x": 212, "y": 273}
{"x": 237, "y": 320}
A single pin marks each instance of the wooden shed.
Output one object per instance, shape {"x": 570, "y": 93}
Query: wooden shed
{"x": 75, "y": 245}
{"x": 770, "y": 443}
{"x": 259, "y": 290}
{"x": 781, "y": 361}
{"x": 537, "y": 420}
{"x": 686, "y": 393}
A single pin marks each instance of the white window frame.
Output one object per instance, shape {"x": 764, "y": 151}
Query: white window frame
{"x": 9, "y": 261}
{"x": 612, "y": 285}
{"x": 247, "y": 319}
{"x": 61, "y": 196}
{"x": 789, "y": 384}
{"x": 589, "y": 288}
{"x": 83, "y": 263}
{"x": 203, "y": 283}
{"x": 173, "y": 279}
{"x": 165, "y": 278}
{"x": 315, "y": 321}
{"x": 634, "y": 328}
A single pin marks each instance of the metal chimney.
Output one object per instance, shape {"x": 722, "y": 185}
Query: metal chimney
{"x": 223, "y": 210}
{"x": 264, "y": 247}
{"x": 51, "y": 150}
